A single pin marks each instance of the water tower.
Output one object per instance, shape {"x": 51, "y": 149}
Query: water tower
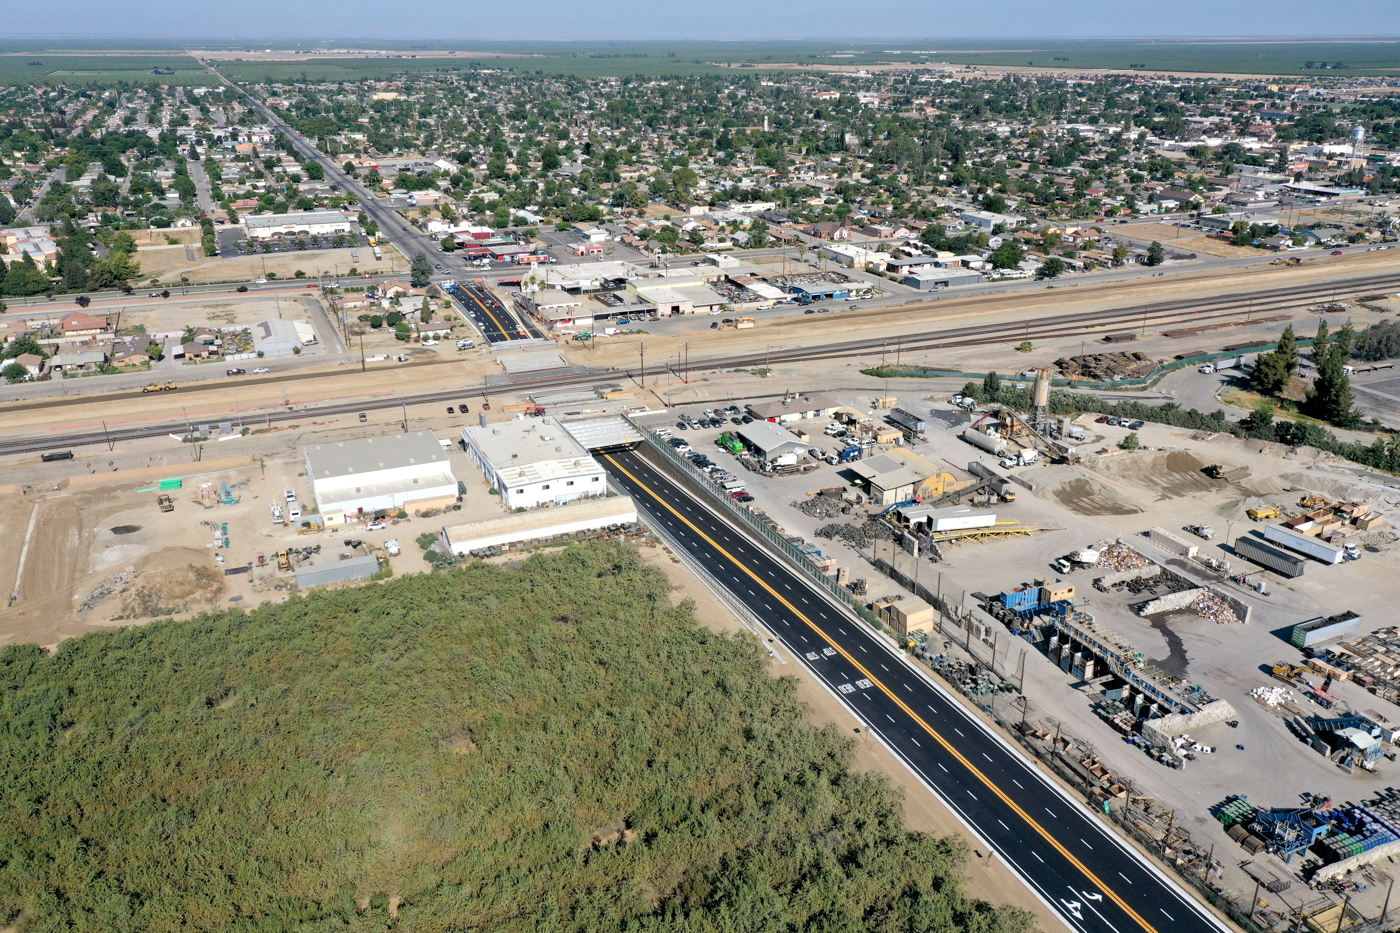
{"x": 1358, "y": 136}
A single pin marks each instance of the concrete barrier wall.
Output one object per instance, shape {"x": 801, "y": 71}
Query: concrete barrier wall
{"x": 1162, "y": 730}
{"x": 1172, "y": 601}
{"x": 1121, "y": 576}
{"x": 1183, "y": 599}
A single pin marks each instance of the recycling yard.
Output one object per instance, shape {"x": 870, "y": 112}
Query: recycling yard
{"x": 1141, "y": 668}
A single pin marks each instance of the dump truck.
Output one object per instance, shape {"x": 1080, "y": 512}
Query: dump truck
{"x": 1263, "y": 513}
{"x": 1214, "y": 470}
{"x": 284, "y": 561}
{"x": 166, "y": 503}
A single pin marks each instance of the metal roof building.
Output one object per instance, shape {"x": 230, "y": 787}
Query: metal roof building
{"x": 400, "y": 471}
{"x": 306, "y": 223}
{"x": 356, "y": 568}
{"x": 534, "y": 462}
{"x": 768, "y": 440}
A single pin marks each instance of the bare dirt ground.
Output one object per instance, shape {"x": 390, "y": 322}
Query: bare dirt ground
{"x": 166, "y": 264}
{"x": 1176, "y": 238}
{"x": 987, "y": 877}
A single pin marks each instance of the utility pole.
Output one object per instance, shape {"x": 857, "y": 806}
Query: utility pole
{"x": 108, "y": 436}
{"x": 362, "y": 353}
{"x": 686, "y": 370}
{"x": 642, "y": 352}
{"x": 404, "y": 407}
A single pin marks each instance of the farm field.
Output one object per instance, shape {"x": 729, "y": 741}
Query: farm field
{"x": 106, "y": 68}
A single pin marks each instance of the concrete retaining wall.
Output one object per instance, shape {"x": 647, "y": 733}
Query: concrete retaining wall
{"x": 1183, "y": 599}
{"x": 1162, "y": 730}
{"x": 1121, "y": 576}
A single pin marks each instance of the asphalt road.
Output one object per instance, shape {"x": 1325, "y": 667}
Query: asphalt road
{"x": 487, "y": 314}
{"x": 1077, "y": 866}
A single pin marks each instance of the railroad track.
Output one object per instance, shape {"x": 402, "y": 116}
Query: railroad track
{"x": 1084, "y": 323}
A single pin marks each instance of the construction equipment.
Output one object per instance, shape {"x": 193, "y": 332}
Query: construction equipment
{"x": 160, "y": 387}
{"x": 1214, "y": 470}
{"x": 284, "y": 561}
{"x": 1264, "y": 513}
{"x": 166, "y": 503}
{"x": 1289, "y": 673}
{"x": 534, "y": 411}
{"x": 1201, "y": 531}
{"x": 1312, "y": 501}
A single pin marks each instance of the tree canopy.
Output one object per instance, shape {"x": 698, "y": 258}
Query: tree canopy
{"x": 550, "y": 747}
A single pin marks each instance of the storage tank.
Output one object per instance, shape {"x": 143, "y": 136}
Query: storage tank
{"x": 992, "y": 445}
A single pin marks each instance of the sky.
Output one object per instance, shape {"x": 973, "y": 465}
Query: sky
{"x": 698, "y": 19}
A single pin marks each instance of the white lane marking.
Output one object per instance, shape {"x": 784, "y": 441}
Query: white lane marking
{"x": 958, "y": 731}
{"x": 1169, "y": 916}
{"x": 915, "y": 741}
{"x": 945, "y": 770}
{"x": 988, "y": 757}
{"x": 1125, "y": 877}
{"x": 907, "y": 687}
{"x": 1037, "y": 857}
{"x": 886, "y": 668}
{"x": 1052, "y": 813}
{"x": 889, "y": 717}
{"x": 1086, "y": 845}
{"x": 1004, "y": 826}
{"x": 862, "y": 648}
{"x": 972, "y": 795}
{"x": 1017, "y": 783}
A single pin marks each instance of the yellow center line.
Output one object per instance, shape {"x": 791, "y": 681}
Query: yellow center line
{"x": 482, "y": 305}
{"x": 1015, "y": 807}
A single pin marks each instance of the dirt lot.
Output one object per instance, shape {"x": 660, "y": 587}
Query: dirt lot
{"x": 1181, "y": 238}
{"x": 165, "y": 265}
{"x": 244, "y": 312}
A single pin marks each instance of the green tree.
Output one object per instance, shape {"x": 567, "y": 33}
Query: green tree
{"x": 1155, "y": 254}
{"x": 402, "y": 331}
{"x": 1052, "y": 267}
{"x": 1270, "y": 374}
{"x": 449, "y": 243}
{"x": 683, "y": 182}
{"x": 21, "y": 345}
{"x": 758, "y": 235}
{"x": 420, "y": 271}
{"x": 1008, "y": 255}
{"x": 991, "y": 386}
{"x": 1288, "y": 349}
{"x": 1319, "y": 347}
{"x": 314, "y": 170}
{"x": 7, "y": 211}
{"x": 14, "y": 372}
{"x": 1130, "y": 442}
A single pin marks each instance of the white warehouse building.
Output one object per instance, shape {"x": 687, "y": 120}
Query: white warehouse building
{"x": 400, "y": 471}
{"x": 306, "y": 223}
{"x": 534, "y": 462}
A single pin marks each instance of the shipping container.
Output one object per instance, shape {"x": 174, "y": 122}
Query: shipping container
{"x": 1314, "y": 631}
{"x": 992, "y": 445}
{"x": 1304, "y": 544}
{"x": 1279, "y": 561}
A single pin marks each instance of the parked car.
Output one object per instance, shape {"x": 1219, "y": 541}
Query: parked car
{"x": 376, "y": 526}
{"x": 1136, "y": 425}
{"x": 237, "y": 372}
{"x": 1101, "y": 419}
{"x": 363, "y": 417}
{"x": 260, "y": 370}
{"x": 451, "y": 410}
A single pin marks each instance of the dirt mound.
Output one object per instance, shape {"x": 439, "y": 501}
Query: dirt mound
{"x": 1170, "y": 475}
{"x": 1090, "y": 498}
{"x": 167, "y": 592}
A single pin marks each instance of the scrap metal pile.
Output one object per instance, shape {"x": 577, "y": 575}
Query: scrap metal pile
{"x": 823, "y": 506}
{"x": 1119, "y": 556}
{"x": 859, "y": 537}
{"x": 1210, "y": 606}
